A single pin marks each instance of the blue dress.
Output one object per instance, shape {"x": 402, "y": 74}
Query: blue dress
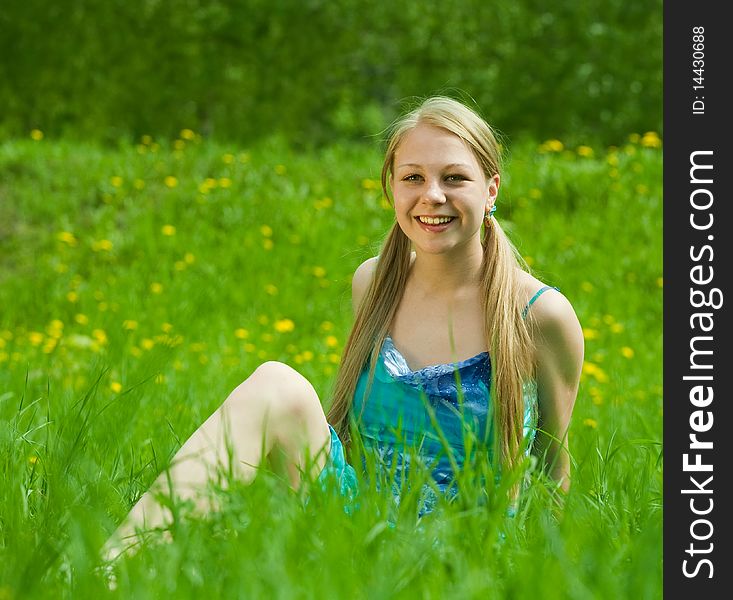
{"x": 426, "y": 415}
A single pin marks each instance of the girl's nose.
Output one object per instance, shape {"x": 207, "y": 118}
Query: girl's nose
{"x": 434, "y": 192}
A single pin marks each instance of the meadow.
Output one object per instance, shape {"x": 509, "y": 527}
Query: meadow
{"x": 141, "y": 282}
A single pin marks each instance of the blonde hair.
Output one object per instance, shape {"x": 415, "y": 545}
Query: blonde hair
{"x": 506, "y": 331}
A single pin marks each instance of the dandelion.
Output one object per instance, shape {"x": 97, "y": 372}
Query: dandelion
{"x": 592, "y": 423}
{"x": 160, "y": 379}
{"x": 627, "y": 352}
{"x": 241, "y": 334}
{"x": 319, "y": 272}
{"x": 332, "y": 341}
{"x": 136, "y": 352}
{"x": 284, "y": 325}
{"x": 72, "y": 297}
{"x": 641, "y": 189}
{"x": 634, "y": 138}
{"x": 225, "y": 182}
{"x": 36, "y": 135}
{"x": 552, "y": 146}
{"x": 187, "y": 134}
{"x": 323, "y": 203}
{"x": 81, "y": 319}
{"x": 33, "y": 459}
{"x": 100, "y": 337}
{"x": 362, "y": 240}
{"x": 280, "y": 169}
{"x": 587, "y": 286}
{"x": 590, "y": 334}
{"x": 651, "y": 140}
{"x": 326, "y": 326}
{"x": 49, "y": 346}
{"x": 271, "y": 289}
{"x": 180, "y": 265}
{"x": 267, "y": 244}
{"x": 612, "y": 159}
{"x": 129, "y": 325}
{"x": 370, "y": 184}
{"x": 189, "y": 258}
{"x": 266, "y": 231}
{"x": 617, "y": 327}
{"x": 156, "y": 288}
{"x": 529, "y": 260}
{"x": 228, "y": 159}
{"x": 146, "y": 139}
{"x": 116, "y": 181}
{"x": 67, "y": 238}
{"x": 595, "y": 371}
{"x": 147, "y": 344}
{"x": 249, "y": 347}
{"x": 170, "y": 181}
{"x": 608, "y": 319}
{"x": 116, "y": 387}
{"x": 168, "y": 230}
{"x": 585, "y": 151}
{"x": 101, "y": 245}
{"x": 179, "y": 145}
{"x": 334, "y": 358}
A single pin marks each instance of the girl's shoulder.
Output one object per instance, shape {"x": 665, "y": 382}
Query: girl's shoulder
{"x": 551, "y": 313}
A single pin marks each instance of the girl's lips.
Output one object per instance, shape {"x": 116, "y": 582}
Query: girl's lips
{"x": 434, "y": 228}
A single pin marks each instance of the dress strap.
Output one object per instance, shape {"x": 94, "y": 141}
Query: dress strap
{"x": 537, "y": 295}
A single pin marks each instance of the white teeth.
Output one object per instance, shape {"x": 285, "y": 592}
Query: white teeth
{"x": 435, "y": 220}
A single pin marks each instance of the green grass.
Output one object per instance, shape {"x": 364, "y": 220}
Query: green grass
{"x": 131, "y": 305}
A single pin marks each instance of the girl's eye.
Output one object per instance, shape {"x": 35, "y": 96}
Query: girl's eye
{"x": 413, "y": 177}
{"x": 455, "y": 178}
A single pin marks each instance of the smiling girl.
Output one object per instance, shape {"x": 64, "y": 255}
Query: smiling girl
{"x": 451, "y": 333}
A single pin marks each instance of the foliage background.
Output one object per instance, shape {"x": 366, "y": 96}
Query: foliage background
{"x": 315, "y": 70}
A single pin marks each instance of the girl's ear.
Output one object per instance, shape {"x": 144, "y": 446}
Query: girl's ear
{"x": 493, "y": 191}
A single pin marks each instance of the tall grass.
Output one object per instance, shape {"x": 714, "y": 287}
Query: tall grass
{"x": 140, "y": 284}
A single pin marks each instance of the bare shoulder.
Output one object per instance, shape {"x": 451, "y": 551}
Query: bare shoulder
{"x": 361, "y": 280}
{"x": 552, "y": 314}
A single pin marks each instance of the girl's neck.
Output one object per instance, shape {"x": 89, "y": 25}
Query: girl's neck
{"x": 447, "y": 275}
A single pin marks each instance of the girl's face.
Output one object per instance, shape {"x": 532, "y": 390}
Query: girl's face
{"x": 441, "y": 194}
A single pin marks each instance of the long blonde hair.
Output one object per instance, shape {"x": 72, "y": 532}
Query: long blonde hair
{"x": 506, "y": 331}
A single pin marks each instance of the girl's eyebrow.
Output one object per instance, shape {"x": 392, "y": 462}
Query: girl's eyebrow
{"x": 450, "y": 166}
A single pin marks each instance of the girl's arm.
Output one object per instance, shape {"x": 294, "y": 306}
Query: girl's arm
{"x": 559, "y": 344}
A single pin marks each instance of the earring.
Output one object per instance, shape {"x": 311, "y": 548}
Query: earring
{"x": 490, "y": 214}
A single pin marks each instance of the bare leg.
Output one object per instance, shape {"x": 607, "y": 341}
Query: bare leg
{"x": 274, "y": 408}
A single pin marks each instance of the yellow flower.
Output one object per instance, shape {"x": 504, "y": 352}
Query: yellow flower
{"x": 617, "y": 327}
{"x": 160, "y": 378}
{"x": 263, "y": 320}
{"x": 334, "y": 358}
{"x": 627, "y": 352}
{"x": 280, "y": 169}
{"x": 49, "y": 346}
{"x": 284, "y": 325}
{"x": 100, "y": 336}
{"x": 138, "y": 184}
{"x": 179, "y": 265}
{"x": 116, "y": 387}
{"x": 146, "y": 139}
{"x": 595, "y": 371}
{"x": 267, "y": 244}
{"x": 266, "y": 231}
{"x": 147, "y": 344}
{"x": 171, "y": 181}
{"x": 168, "y": 230}
{"x": 651, "y": 140}
{"x": 129, "y": 325}
{"x": 99, "y": 245}
{"x": 156, "y": 288}
{"x": 136, "y": 352}
{"x": 585, "y": 151}
{"x": 241, "y": 333}
{"x": 634, "y": 138}
{"x": 81, "y": 319}
{"x": 116, "y": 181}
{"x": 587, "y": 286}
{"x": 189, "y": 258}
{"x": 326, "y": 326}
{"x": 249, "y": 347}
{"x": 319, "y": 271}
{"x": 33, "y": 460}
{"x": 72, "y": 296}
{"x": 36, "y": 135}
{"x": 370, "y": 184}
{"x": 166, "y": 327}
{"x": 590, "y": 334}
{"x": 660, "y": 282}
{"x": 225, "y": 182}
{"x": 187, "y": 134}
{"x": 590, "y": 423}
{"x": 552, "y": 146}
{"x": 228, "y": 158}
{"x": 67, "y": 237}
{"x": 332, "y": 341}
{"x": 324, "y": 203}
{"x": 271, "y": 289}
{"x": 179, "y": 145}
